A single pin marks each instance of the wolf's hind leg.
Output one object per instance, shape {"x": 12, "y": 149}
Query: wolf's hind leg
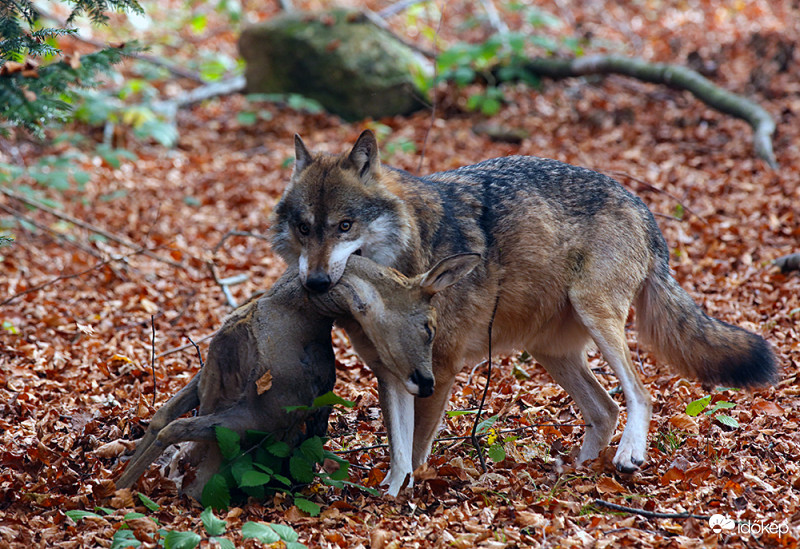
{"x": 607, "y": 327}
{"x": 598, "y": 409}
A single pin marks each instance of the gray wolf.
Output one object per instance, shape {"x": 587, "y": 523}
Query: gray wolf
{"x": 565, "y": 253}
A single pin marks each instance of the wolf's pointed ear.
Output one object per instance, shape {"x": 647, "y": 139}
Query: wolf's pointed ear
{"x": 448, "y": 271}
{"x": 364, "y": 156}
{"x": 302, "y": 158}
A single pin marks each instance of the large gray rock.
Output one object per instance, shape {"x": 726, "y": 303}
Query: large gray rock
{"x": 353, "y": 68}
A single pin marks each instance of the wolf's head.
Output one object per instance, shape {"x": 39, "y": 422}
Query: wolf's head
{"x": 336, "y": 206}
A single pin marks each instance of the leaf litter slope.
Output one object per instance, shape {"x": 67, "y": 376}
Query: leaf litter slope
{"x": 75, "y": 355}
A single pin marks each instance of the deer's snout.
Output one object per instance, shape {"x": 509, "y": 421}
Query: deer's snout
{"x": 318, "y": 282}
{"x": 420, "y": 384}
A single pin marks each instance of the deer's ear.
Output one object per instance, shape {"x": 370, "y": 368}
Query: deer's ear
{"x": 364, "y": 156}
{"x": 448, "y": 271}
{"x": 302, "y": 158}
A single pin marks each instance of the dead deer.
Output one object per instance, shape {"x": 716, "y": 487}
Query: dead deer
{"x": 287, "y": 333}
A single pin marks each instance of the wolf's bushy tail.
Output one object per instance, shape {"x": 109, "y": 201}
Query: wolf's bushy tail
{"x": 677, "y": 330}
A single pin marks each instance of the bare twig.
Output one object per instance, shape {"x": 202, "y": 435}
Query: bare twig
{"x": 153, "y": 355}
{"x": 88, "y": 226}
{"x": 197, "y": 349}
{"x": 397, "y": 7}
{"x": 376, "y": 20}
{"x": 184, "y": 347}
{"x": 61, "y": 238}
{"x": 361, "y": 449}
{"x": 238, "y": 233}
{"x": 460, "y": 437}
{"x": 662, "y": 191}
{"x": 648, "y": 514}
{"x": 226, "y": 283}
{"x": 494, "y": 17}
{"x": 433, "y": 92}
{"x": 475, "y": 441}
{"x": 67, "y": 277}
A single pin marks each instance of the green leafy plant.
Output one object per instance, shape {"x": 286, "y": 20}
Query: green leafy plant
{"x": 670, "y": 440}
{"x": 503, "y": 57}
{"x": 257, "y": 465}
{"x": 253, "y": 113}
{"x": 213, "y": 526}
{"x": 696, "y": 407}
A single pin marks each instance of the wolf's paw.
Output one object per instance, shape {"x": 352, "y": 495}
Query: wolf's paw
{"x": 395, "y": 480}
{"x": 628, "y": 458}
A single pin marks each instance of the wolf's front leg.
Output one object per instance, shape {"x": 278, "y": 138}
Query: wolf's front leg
{"x": 397, "y": 405}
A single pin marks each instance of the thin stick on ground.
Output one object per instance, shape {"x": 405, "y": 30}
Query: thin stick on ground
{"x": 153, "y": 355}
{"x": 226, "y": 283}
{"x": 60, "y": 237}
{"x": 648, "y": 514}
{"x": 433, "y": 92}
{"x": 662, "y": 191}
{"x": 475, "y": 441}
{"x": 66, "y": 277}
{"x": 88, "y": 226}
{"x": 199, "y": 354}
{"x": 184, "y": 347}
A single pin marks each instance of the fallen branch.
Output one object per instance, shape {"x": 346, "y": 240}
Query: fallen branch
{"x": 226, "y": 283}
{"x": 60, "y": 237}
{"x": 674, "y": 76}
{"x": 788, "y": 263}
{"x": 67, "y": 277}
{"x": 169, "y": 107}
{"x": 88, "y": 226}
{"x": 648, "y": 514}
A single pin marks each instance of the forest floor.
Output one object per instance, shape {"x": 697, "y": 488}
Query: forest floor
{"x": 75, "y": 344}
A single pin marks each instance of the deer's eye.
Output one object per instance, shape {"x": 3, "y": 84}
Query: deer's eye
{"x": 303, "y": 229}
{"x": 345, "y": 225}
{"x": 431, "y": 331}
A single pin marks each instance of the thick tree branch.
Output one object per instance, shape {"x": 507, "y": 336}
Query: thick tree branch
{"x": 674, "y": 76}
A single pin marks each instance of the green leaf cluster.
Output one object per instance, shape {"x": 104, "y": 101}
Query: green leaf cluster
{"x": 213, "y": 526}
{"x": 267, "y": 466}
{"x": 503, "y": 57}
{"x": 695, "y": 407}
{"x": 257, "y": 465}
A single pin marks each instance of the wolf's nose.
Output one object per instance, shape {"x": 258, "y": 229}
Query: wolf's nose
{"x": 318, "y": 282}
{"x": 424, "y": 383}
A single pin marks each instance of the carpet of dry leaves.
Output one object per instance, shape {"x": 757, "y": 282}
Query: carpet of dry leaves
{"x": 75, "y": 354}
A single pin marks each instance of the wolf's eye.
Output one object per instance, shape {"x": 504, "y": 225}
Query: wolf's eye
{"x": 304, "y": 229}
{"x": 345, "y": 226}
